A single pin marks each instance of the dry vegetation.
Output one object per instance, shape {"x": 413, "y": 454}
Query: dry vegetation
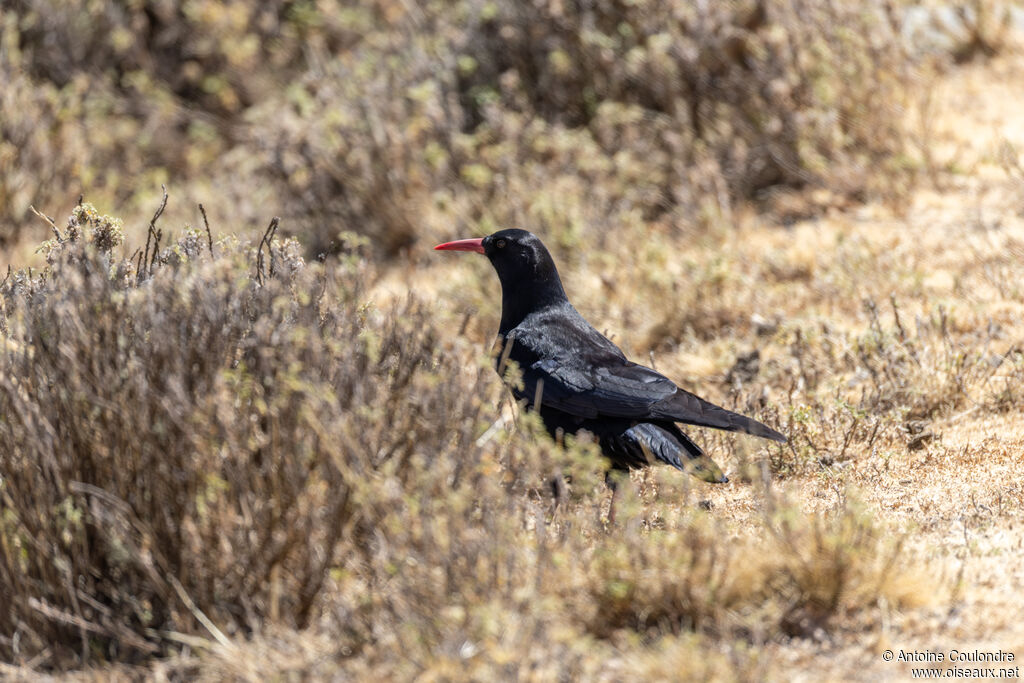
{"x": 205, "y": 447}
{"x": 401, "y": 121}
{"x": 230, "y": 454}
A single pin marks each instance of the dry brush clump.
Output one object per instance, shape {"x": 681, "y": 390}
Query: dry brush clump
{"x": 176, "y": 437}
{"x": 209, "y": 446}
{"x": 760, "y": 94}
{"x": 108, "y": 98}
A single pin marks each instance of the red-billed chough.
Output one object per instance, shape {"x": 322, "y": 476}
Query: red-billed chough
{"x": 584, "y": 381}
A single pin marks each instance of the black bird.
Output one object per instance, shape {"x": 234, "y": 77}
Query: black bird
{"x": 583, "y": 380}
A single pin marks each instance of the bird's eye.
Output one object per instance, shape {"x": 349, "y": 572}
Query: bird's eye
{"x": 500, "y": 244}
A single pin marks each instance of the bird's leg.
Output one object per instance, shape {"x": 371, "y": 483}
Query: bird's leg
{"x": 559, "y": 490}
{"x": 612, "y": 482}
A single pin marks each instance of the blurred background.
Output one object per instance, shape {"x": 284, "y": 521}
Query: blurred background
{"x": 408, "y": 121}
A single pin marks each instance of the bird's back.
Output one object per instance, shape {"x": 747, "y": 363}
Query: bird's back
{"x": 557, "y": 336}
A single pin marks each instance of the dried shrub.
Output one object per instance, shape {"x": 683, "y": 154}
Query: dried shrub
{"x": 205, "y": 54}
{"x": 361, "y": 141}
{"x": 754, "y": 95}
{"x": 109, "y": 98}
{"x": 795, "y": 579}
{"x": 178, "y": 448}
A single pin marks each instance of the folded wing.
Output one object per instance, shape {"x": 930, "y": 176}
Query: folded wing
{"x": 628, "y": 391}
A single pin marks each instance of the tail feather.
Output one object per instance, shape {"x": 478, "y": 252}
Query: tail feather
{"x": 687, "y": 408}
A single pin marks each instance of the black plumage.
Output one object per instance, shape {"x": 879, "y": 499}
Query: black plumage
{"x": 582, "y": 380}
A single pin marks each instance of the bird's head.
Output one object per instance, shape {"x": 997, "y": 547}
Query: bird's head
{"x": 519, "y": 257}
{"x": 529, "y": 279}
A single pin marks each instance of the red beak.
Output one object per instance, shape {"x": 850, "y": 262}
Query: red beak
{"x": 476, "y": 245}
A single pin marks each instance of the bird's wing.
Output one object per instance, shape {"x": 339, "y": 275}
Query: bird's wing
{"x": 629, "y": 391}
{"x": 591, "y": 391}
{"x": 595, "y": 380}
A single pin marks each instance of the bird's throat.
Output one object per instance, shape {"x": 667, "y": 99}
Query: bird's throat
{"x": 520, "y": 299}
